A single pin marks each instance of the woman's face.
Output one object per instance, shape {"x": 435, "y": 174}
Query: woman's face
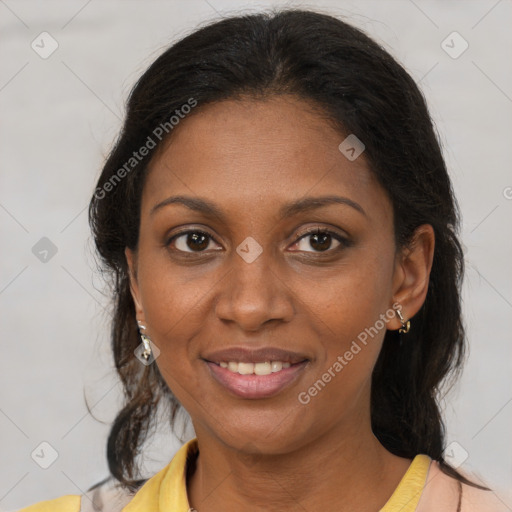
{"x": 255, "y": 275}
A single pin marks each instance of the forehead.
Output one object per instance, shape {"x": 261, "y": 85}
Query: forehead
{"x": 260, "y": 153}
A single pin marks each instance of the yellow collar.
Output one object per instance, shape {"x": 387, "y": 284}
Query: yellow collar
{"x": 407, "y": 494}
{"x": 167, "y": 490}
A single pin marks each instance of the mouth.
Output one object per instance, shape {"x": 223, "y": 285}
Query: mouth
{"x": 256, "y": 380}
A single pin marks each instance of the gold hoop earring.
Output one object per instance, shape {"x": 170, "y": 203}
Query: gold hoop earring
{"x": 405, "y": 325}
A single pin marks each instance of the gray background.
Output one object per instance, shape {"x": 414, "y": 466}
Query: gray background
{"x": 59, "y": 117}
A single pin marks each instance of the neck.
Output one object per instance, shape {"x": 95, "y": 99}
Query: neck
{"x": 344, "y": 469}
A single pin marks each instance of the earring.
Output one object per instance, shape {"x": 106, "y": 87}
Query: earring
{"x": 146, "y": 354}
{"x": 405, "y": 325}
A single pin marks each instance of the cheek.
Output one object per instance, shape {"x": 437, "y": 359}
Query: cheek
{"x": 168, "y": 305}
{"x": 352, "y": 311}
{"x": 353, "y": 299}
{"x": 176, "y": 303}
{"x": 352, "y": 340}
{"x": 169, "y": 295}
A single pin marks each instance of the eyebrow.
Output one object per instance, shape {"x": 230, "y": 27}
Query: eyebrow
{"x": 287, "y": 210}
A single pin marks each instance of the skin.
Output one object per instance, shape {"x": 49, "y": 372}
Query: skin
{"x": 250, "y": 157}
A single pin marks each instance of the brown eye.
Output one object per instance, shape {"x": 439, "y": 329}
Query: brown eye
{"x": 321, "y": 240}
{"x": 191, "y": 241}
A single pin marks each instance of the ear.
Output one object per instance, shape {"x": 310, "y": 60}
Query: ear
{"x": 131, "y": 260}
{"x": 412, "y": 273}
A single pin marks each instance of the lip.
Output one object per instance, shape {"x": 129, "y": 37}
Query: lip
{"x": 246, "y": 355}
{"x": 256, "y": 386}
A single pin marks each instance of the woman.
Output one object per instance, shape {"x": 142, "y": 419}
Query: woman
{"x": 283, "y": 240}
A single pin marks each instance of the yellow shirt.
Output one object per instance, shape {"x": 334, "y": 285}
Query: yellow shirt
{"x": 167, "y": 492}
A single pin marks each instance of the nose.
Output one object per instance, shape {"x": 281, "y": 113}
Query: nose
{"x": 253, "y": 294}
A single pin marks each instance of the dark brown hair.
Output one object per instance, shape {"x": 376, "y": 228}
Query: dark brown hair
{"x": 364, "y": 91}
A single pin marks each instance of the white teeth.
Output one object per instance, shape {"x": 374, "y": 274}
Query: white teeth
{"x": 245, "y": 368}
{"x": 277, "y": 366}
{"x": 264, "y": 368}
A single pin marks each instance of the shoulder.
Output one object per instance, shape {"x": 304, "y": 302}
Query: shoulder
{"x": 441, "y": 494}
{"x": 107, "y": 496}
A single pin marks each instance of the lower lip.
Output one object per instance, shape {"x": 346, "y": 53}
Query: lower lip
{"x": 256, "y": 386}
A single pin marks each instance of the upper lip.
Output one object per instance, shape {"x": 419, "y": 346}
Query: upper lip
{"x": 246, "y": 355}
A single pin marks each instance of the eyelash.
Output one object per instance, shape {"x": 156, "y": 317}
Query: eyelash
{"x": 316, "y": 231}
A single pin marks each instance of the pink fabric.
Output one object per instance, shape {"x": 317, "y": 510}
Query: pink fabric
{"x": 441, "y": 494}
